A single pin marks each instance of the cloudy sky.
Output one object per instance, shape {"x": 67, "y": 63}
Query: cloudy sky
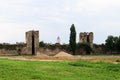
{"x": 53, "y": 18}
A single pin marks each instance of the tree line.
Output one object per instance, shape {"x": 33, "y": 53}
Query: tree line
{"x": 112, "y": 44}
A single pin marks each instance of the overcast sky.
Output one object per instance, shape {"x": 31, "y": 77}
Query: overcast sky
{"x": 54, "y": 18}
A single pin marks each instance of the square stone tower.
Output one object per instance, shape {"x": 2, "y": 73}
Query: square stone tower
{"x": 32, "y": 41}
{"x": 86, "y": 37}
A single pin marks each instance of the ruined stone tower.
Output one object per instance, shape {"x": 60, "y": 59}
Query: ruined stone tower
{"x": 32, "y": 41}
{"x": 86, "y": 37}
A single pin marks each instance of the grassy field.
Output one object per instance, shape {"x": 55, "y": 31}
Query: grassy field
{"x": 58, "y": 70}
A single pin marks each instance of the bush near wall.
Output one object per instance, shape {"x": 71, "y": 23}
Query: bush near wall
{"x": 11, "y": 46}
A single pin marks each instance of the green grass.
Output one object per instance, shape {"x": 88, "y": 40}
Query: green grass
{"x": 58, "y": 70}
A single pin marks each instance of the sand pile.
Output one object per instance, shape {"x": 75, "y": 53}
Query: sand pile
{"x": 63, "y": 54}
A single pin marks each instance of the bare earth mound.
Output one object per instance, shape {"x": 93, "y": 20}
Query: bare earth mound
{"x": 42, "y": 55}
{"x": 63, "y": 54}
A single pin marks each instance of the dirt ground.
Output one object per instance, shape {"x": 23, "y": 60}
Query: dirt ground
{"x": 65, "y": 56}
{"x": 109, "y": 58}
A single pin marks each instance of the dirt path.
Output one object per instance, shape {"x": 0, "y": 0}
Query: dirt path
{"x": 52, "y": 58}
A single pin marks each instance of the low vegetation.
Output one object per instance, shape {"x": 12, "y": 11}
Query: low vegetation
{"x": 58, "y": 70}
{"x": 118, "y": 60}
{"x": 11, "y": 46}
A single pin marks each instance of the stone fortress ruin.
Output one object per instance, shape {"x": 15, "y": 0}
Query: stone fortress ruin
{"x": 86, "y": 37}
{"x": 32, "y": 44}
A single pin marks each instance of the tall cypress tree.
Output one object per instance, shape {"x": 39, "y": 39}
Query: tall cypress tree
{"x": 72, "y": 41}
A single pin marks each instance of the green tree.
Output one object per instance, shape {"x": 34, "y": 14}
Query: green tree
{"x": 110, "y": 43}
{"x": 85, "y": 46}
{"x": 115, "y": 43}
{"x": 42, "y": 44}
{"x": 72, "y": 41}
{"x": 118, "y": 44}
{"x": 103, "y": 47}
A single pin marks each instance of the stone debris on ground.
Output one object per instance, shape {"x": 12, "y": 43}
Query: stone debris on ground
{"x": 63, "y": 54}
